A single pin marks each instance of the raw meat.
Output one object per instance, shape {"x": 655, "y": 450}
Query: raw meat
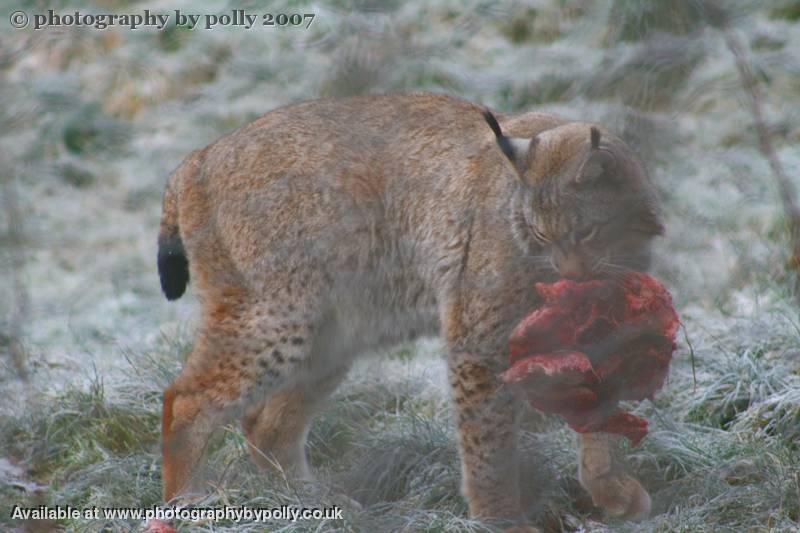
{"x": 593, "y": 344}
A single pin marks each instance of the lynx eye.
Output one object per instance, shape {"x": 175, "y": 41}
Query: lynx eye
{"x": 584, "y": 235}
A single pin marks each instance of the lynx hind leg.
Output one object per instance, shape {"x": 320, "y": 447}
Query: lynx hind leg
{"x": 188, "y": 420}
{"x": 244, "y": 352}
{"x": 276, "y": 428}
{"x": 601, "y": 473}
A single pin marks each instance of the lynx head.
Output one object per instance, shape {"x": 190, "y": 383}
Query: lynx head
{"x": 589, "y": 208}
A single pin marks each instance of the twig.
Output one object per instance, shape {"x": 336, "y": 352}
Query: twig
{"x": 9, "y": 55}
{"x": 691, "y": 355}
{"x": 19, "y": 312}
{"x": 785, "y": 186}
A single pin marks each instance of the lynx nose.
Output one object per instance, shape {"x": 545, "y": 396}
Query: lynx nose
{"x": 570, "y": 267}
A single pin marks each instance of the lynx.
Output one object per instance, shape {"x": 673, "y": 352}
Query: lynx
{"x": 330, "y": 228}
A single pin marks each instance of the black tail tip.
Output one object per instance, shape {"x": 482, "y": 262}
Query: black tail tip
{"x": 173, "y": 267}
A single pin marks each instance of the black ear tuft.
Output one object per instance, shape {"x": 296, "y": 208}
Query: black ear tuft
{"x": 594, "y": 134}
{"x": 502, "y": 140}
{"x": 492, "y": 123}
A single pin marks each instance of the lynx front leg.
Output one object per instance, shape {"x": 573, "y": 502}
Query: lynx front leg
{"x": 487, "y": 418}
{"x": 602, "y": 474}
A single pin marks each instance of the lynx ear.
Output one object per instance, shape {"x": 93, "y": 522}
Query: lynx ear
{"x": 600, "y": 165}
{"x": 601, "y": 162}
{"x": 517, "y": 150}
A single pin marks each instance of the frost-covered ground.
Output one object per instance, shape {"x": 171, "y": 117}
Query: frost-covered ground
{"x": 92, "y": 122}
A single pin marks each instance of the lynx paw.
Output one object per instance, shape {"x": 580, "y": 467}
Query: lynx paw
{"x": 620, "y": 495}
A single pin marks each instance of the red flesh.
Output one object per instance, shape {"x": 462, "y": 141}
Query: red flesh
{"x": 592, "y": 344}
